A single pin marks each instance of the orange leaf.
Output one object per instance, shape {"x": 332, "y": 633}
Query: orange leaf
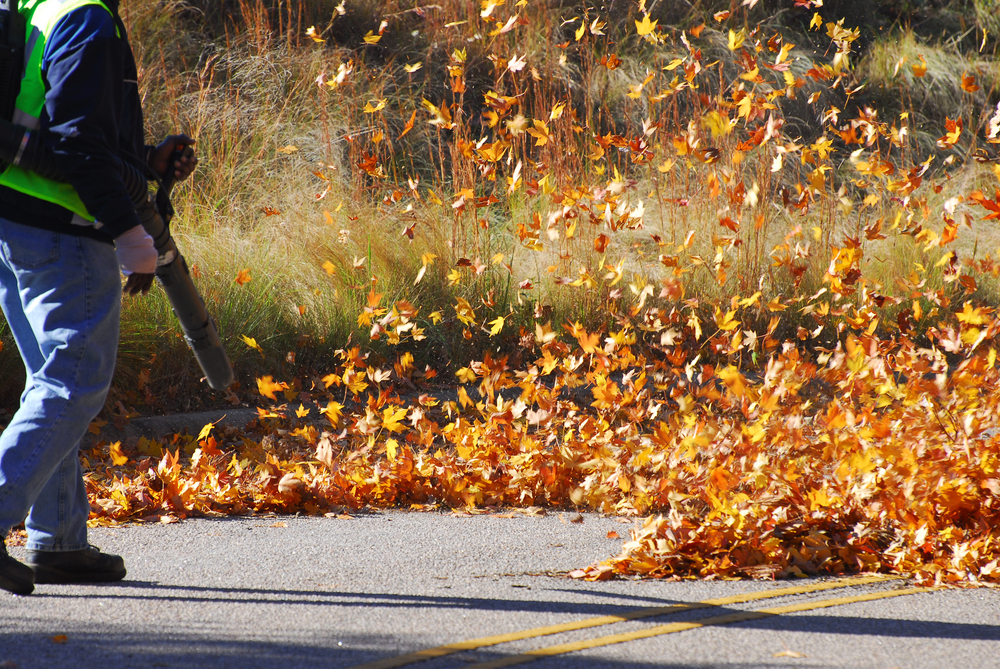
{"x": 267, "y": 386}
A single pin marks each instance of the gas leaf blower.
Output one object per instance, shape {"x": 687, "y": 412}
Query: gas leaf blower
{"x": 23, "y": 147}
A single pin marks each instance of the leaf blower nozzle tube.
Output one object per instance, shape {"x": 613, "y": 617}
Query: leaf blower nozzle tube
{"x": 22, "y": 147}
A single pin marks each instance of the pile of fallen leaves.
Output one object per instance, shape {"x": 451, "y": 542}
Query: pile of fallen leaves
{"x": 878, "y": 455}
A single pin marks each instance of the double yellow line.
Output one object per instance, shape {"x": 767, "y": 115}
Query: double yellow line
{"x": 658, "y": 630}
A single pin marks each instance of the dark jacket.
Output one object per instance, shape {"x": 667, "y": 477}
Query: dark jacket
{"x": 92, "y": 120}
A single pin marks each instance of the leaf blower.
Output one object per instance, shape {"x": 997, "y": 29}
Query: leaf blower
{"x": 24, "y": 148}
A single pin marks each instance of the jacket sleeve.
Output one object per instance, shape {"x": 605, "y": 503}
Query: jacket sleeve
{"x": 83, "y": 66}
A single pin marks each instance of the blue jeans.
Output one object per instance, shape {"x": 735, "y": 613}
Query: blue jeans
{"x": 61, "y": 296}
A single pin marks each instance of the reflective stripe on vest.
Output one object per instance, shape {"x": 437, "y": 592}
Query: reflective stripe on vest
{"x": 41, "y": 17}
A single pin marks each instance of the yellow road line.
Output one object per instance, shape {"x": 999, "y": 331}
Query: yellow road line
{"x": 473, "y": 644}
{"x": 670, "y": 628}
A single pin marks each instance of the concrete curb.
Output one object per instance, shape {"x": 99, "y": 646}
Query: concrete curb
{"x": 157, "y": 427}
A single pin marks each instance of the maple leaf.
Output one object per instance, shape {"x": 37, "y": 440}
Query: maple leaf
{"x": 645, "y": 27}
{"x": 333, "y": 411}
{"x": 391, "y": 419}
{"x": 252, "y": 343}
{"x": 953, "y": 131}
{"x": 117, "y": 457}
{"x": 242, "y": 277}
{"x": 267, "y": 387}
{"x": 441, "y": 116}
{"x": 736, "y": 39}
{"x": 993, "y": 206}
{"x": 378, "y": 106}
{"x": 496, "y": 325}
{"x": 540, "y": 132}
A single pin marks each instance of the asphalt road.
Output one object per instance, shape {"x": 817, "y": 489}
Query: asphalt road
{"x": 333, "y": 592}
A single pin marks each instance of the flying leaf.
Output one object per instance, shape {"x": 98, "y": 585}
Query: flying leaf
{"x": 736, "y": 39}
{"x": 267, "y": 387}
{"x": 645, "y": 26}
{"x": 311, "y": 32}
{"x": 117, "y": 457}
{"x": 409, "y": 125}
{"x": 379, "y": 105}
{"x": 252, "y": 343}
{"x": 969, "y": 84}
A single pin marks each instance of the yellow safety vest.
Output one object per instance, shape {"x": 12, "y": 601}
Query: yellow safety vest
{"x": 41, "y": 17}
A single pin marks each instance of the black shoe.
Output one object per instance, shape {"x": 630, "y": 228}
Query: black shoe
{"x": 14, "y": 576}
{"x": 89, "y": 565}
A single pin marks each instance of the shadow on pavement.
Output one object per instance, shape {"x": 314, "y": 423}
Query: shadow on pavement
{"x": 123, "y": 651}
{"x": 827, "y": 624}
{"x": 883, "y": 627}
{"x": 149, "y": 591}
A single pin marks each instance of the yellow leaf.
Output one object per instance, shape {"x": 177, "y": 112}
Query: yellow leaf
{"x": 736, "y": 39}
{"x": 332, "y": 411}
{"x": 464, "y": 311}
{"x": 391, "y": 445}
{"x": 645, "y": 26}
{"x": 117, "y": 456}
{"x": 497, "y": 326}
{"x": 391, "y": 419}
{"x": 785, "y": 48}
{"x": 205, "y": 431}
{"x": 726, "y": 322}
{"x": 466, "y": 375}
{"x": 380, "y": 105}
{"x": 267, "y": 386}
{"x": 581, "y": 30}
{"x": 372, "y": 38}
{"x": 242, "y": 277}
{"x": 414, "y": 67}
{"x": 540, "y": 132}
{"x": 817, "y": 22}
{"x": 329, "y": 267}
{"x": 252, "y": 343}
{"x": 311, "y": 32}
{"x": 302, "y": 411}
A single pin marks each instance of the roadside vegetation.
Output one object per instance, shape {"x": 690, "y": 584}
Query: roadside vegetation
{"x": 731, "y": 263}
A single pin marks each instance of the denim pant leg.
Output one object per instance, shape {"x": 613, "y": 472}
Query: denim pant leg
{"x": 61, "y": 296}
